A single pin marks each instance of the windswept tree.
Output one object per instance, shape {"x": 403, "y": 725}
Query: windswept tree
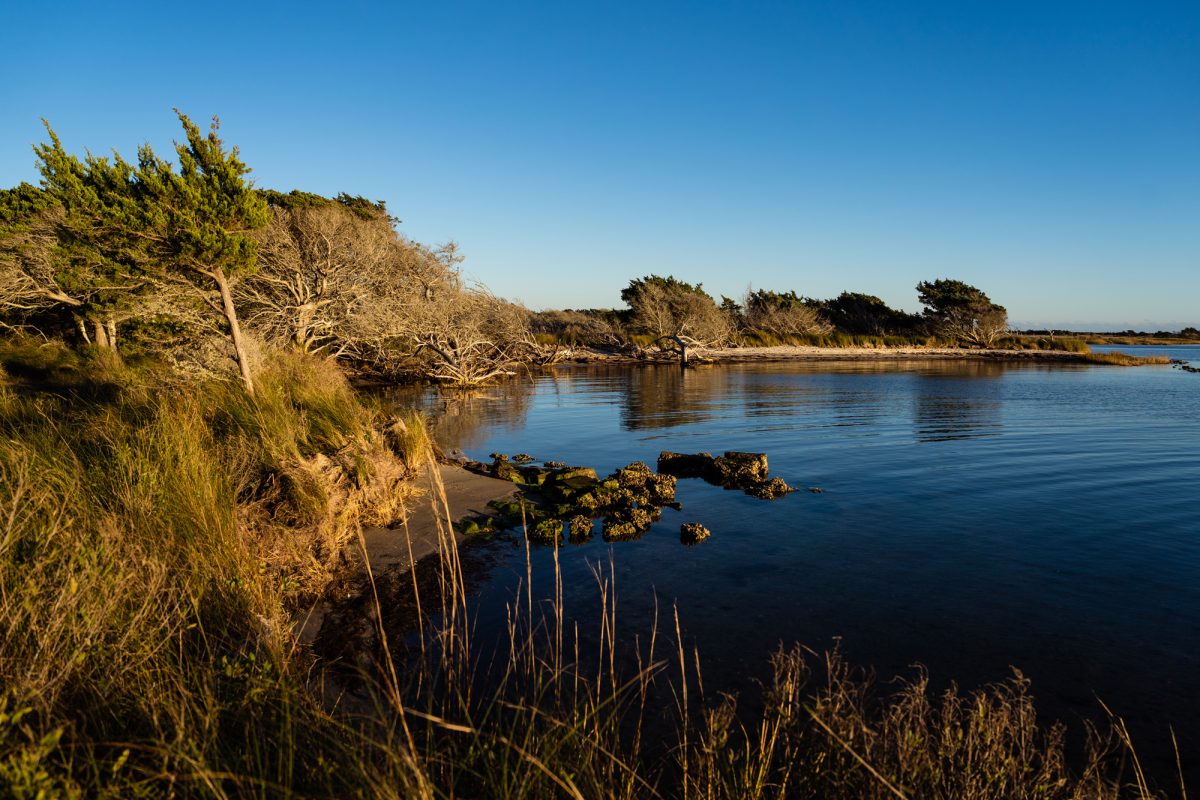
{"x": 959, "y": 311}
{"x": 670, "y": 308}
{"x": 321, "y": 263}
{"x": 783, "y": 313}
{"x": 53, "y": 266}
{"x": 161, "y": 226}
{"x": 30, "y": 280}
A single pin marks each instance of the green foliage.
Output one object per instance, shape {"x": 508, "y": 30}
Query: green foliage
{"x": 857, "y": 313}
{"x": 360, "y": 206}
{"x": 960, "y": 311}
{"x": 22, "y": 202}
{"x": 638, "y": 288}
{"x": 200, "y": 216}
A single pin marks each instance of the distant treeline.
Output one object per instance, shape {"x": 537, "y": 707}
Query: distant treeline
{"x": 955, "y": 313}
{"x": 187, "y": 264}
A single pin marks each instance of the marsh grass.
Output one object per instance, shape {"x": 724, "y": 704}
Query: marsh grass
{"x": 153, "y": 548}
{"x": 1124, "y": 359}
{"x": 755, "y": 338}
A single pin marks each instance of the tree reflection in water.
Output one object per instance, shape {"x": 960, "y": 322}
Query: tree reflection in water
{"x": 463, "y": 418}
{"x": 961, "y": 404}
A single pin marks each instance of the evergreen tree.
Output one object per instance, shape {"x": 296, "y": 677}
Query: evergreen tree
{"x": 141, "y": 227}
{"x": 961, "y": 311}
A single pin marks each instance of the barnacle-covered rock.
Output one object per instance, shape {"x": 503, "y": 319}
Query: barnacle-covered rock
{"x": 693, "y": 533}
{"x": 546, "y": 531}
{"x": 769, "y": 490}
{"x": 580, "y": 528}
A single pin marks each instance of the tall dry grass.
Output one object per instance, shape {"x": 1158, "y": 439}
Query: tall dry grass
{"x": 147, "y": 649}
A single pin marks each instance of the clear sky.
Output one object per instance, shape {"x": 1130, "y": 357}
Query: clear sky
{"x": 1047, "y": 152}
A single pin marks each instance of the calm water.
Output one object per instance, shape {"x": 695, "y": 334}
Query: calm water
{"x": 974, "y": 516}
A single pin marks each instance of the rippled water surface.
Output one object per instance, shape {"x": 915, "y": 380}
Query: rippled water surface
{"x": 974, "y": 516}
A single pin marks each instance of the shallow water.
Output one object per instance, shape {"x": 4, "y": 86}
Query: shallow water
{"x": 974, "y": 516}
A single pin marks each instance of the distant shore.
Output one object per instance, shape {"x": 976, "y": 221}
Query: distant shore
{"x": 732, "y": 355}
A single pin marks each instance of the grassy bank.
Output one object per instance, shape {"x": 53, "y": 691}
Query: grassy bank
{"x": 158, "y": 540}
{"x": 154, "y": 544}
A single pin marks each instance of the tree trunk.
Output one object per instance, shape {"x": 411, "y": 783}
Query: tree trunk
{"x": 83, "y": 334}
{"x": 235, "y": 330}
{"x": 100, "y": 335}
{"x": 111, "y": 325}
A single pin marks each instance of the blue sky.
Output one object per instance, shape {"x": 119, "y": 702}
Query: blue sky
{"x": 1048, "y": 152}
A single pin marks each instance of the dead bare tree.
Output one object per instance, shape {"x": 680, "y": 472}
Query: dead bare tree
{"x": 335, "y": 277}
{"x": 666, "y": 307}
{"x": 316, "y": 266}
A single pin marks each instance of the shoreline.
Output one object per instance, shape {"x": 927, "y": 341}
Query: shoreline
{"x": 735, "y": 355}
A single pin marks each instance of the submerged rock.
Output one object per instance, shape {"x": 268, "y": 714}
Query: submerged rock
{"x": 684, "y": 465}
{"x": 693, "y": 533}
{"x": 769, "y": 490}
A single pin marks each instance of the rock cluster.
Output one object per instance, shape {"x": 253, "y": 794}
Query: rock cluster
{"x": 557, "y": 500}
{"x": 745, "y": 471}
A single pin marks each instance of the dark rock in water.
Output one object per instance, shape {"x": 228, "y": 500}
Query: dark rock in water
{"x": 636, "y": 470}
{"x": 693, "y": 533}
{"x": 640, "y": 518}
{"x": 589, "y": 502}
{"x": 684, "y": 465}
{"x": 580, "y": 528}
{"x": 740, "y": 469}
{"x": 533, "y": 476}
{"x": 616, "y": 530}
{"x": 555, "y": 464}
{"x": 816, "y": 490}
{"x": 522, "y": 458}
{"x": 733, "y": 470}
{"x": 629, "y": 501}
{"x": 546, "y": 531}
{"x": 662, "y": 489}
{"x": 640, "y": 486}
{"x": 769, "y": 490}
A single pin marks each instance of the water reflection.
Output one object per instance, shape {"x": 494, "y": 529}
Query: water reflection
{"x": 668, "y": 396}
{"x": 1074, "y": 485}
{"x": 947, "y": 408}
{"x": 464, "y": 418}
